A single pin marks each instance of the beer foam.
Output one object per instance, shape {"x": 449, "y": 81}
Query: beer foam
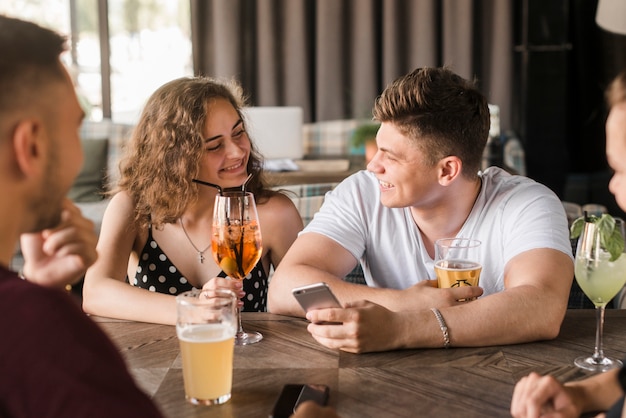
{"x": 458, "y": 265}
{"x": 205, "y": 333}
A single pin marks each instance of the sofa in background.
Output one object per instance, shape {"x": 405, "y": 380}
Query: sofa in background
{"x": 102, "y": 144}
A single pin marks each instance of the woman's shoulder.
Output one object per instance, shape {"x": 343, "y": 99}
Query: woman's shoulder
{"x": 279, "y": 208}
{"x": 122, "y": 199}
{"x": 121, "y": 209}
{"x": 277, "y": 200}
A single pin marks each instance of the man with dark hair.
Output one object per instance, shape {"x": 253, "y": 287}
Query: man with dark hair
{"x": 422, "y": 185}
{"x": 54, "y": 361}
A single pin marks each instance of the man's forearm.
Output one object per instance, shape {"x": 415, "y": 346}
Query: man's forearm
{"x": 509, "y": 317}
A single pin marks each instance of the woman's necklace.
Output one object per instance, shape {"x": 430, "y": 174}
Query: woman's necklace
{"x": 200, "y": 253}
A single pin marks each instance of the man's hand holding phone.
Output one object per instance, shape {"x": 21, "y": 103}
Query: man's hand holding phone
{"x": 316, "y": 296}
{"x": 360, "y": 327}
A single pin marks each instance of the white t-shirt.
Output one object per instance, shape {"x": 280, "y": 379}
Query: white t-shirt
{"x": 512, "y": 214}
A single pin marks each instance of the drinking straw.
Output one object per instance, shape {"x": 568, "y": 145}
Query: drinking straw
{"x": 228, "y": 189}
{"x": 205, "y": 183}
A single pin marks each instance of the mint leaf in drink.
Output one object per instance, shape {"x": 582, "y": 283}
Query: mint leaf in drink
{"x": 577, "y": 228}
{"x": 615, "y": 243}
{"x": 610, "y": 235}
{"x": 579, "y": 224}
{"x": 606, "y": 225}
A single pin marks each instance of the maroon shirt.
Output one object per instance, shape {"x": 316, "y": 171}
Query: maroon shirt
{"x": 56, "y": 362}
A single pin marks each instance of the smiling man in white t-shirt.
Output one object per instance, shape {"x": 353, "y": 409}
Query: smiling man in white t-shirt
{"x": 424, "y": 184}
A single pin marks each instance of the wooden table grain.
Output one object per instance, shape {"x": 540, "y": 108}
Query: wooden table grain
{"x": 467, "y": 382}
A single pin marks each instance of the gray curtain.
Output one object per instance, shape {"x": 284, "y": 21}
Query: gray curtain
{"x": 333, "y": 57}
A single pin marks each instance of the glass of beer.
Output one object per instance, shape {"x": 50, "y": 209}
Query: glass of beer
{"x": 457, "y": 262}
{"x": 206, "y": 327}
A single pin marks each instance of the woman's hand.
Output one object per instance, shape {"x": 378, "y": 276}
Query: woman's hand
{"x": 221, "y": 283}
{"x": 535, "y": 396}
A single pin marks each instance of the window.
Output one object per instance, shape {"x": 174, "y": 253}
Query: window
{"x": 149, "y": 43}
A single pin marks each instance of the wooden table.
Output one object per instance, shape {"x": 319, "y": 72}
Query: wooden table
{"x": 459, "y": 382}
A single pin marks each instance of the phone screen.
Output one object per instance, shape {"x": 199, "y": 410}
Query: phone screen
{"x": 293, "y": 395}
{"x": 315, "y": 393}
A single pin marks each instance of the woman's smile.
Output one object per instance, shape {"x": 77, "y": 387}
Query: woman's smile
{"x": 234, "y": 167}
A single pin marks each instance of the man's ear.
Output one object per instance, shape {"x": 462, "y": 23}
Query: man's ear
{"x": 449, "y": 169}
{"x": 27, "y": 146}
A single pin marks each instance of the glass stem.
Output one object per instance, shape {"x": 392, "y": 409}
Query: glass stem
{"x": 598, "y": 353}
{"x": 240, "y": 328}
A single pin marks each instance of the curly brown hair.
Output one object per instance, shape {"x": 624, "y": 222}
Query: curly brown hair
{"x": 443, "y": 113}
{"x": 165, "y": 149}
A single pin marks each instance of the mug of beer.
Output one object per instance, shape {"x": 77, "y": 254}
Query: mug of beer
{"x": 206, "y": 327}
{"x": 457, "y": 262}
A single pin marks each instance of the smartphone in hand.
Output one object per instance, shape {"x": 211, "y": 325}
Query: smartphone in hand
{"x": 293, "y": 395}
{"x": 315, "y": 296}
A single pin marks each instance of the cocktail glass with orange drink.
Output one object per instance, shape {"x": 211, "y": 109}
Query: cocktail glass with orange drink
{"x": 236, "y": 243}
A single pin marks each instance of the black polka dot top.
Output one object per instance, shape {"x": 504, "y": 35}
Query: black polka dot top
{"x": 156, "y": 273}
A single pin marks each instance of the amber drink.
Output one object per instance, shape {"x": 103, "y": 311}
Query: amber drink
{"x": 457, "y": 273}
{"x": 236, "y": 243}
{"x": 237, "y": 247}
{"x": 457, "y": 262}
{"x": 206, "y": 327}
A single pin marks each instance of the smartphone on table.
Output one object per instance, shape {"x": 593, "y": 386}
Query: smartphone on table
{"x": 293, "y": 395}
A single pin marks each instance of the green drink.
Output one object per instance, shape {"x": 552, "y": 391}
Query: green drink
{"x": 600, "y": 269}
{"x": 601, "y": 279}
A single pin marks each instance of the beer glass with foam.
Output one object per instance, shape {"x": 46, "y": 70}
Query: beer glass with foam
{"x": 457, "y": 262}
{"x": 206, "y": 327}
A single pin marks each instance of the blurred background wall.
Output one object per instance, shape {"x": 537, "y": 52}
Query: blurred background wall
{"x": 544, "y": 63}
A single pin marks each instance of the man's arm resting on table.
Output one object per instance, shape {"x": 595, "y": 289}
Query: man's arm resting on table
{"x": 315, "y": 258}
{"x": 531, "y": 308}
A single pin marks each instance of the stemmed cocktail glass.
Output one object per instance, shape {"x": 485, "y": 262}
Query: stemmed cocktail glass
{"x": 600, "y": 271}
{"x": 236, "y": 243}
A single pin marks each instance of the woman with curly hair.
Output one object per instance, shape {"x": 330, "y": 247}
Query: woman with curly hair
{"x": 155, "y": 237}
